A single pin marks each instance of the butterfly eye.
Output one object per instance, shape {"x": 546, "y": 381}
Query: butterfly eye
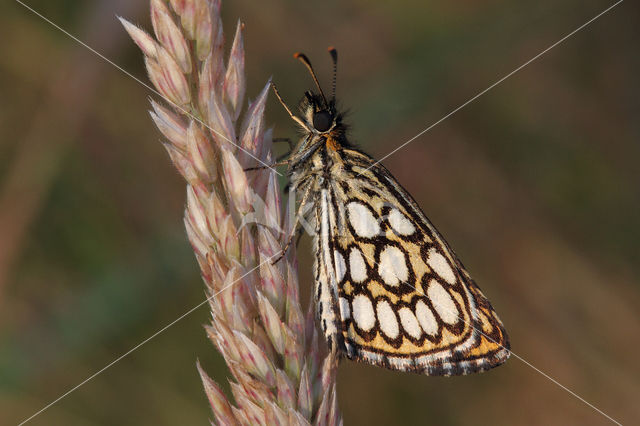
{"x": 322, "y": 121}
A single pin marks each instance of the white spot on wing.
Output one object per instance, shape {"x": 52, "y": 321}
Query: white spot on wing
{"x": 400, "y": 224}
{"x": 410, "y": 323}
{"x": 426, "y": 319}
{"x": 363, "y": 312}
{"x": 439, "y": 264}
{"x": 442, "y": 302}
{"x": 345, "y": 311}
{"x": 387, "y": 319}
{"x": 362, "y": 220}
{"x": 393, "y": 267}
{"x": 341, "y": 267}
{"x": 357, "y": 267}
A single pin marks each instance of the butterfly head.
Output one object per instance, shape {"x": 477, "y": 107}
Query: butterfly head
{"x": 318, "y": 116}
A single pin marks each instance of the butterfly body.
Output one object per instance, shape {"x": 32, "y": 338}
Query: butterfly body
{"x": 388, "y": 289}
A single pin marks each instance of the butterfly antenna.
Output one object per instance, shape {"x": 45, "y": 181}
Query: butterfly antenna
{"x": 286, "y": 107}
{"x": 303, "y": 58}
{"x": 334, "y": 57}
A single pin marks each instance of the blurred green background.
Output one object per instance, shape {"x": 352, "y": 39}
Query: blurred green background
{"x": 535, "y": 184}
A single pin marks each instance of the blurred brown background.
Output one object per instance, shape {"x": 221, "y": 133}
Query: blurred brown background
{"x": 535, "y": 184}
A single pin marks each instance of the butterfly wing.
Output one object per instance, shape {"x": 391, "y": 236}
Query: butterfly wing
{"x": 389, "y": 290}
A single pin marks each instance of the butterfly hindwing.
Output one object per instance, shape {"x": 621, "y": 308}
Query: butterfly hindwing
{"x": 389, "y": 291}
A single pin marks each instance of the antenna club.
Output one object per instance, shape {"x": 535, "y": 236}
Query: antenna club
{"x": 303, "y": 58}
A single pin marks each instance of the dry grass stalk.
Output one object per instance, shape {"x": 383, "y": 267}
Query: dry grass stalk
{"x": 281, "y": 373}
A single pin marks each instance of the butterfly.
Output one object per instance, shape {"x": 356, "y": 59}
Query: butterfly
{"x": 389, "y": 290}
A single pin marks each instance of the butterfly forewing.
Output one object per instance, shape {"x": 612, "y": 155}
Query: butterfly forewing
{"x": 389, "y": 290}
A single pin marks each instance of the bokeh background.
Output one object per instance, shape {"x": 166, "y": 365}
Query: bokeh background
{"x": 535, "y": 184}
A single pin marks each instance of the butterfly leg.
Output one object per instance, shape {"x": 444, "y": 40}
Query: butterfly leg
{"x": 289, "y": 151}
{"x": 281, "y": 160}
{"x": 287, "y": 140}
{"x": 296, "y": 223}
{"x": 276, "y": 164}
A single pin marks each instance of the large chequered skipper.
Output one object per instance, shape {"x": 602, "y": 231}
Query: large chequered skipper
{"x": 388, "y": 289}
